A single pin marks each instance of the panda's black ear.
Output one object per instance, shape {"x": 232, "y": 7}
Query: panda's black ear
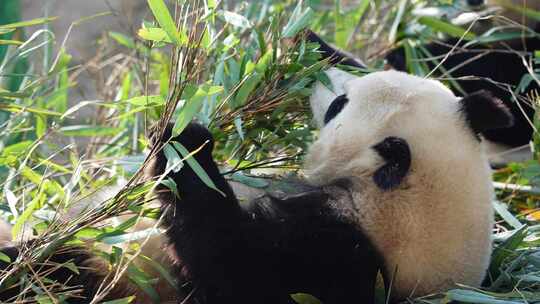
{"x": 484, "y": 112}
{"x": 334, "y": 55}
{"x": 397, "y": 155}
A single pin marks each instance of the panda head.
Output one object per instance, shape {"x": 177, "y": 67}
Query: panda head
{"x": 378, "y": 124}
{"x": 420, "y": 182}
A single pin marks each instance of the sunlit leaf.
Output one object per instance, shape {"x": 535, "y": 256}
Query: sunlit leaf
{"x": 165, "y": 20}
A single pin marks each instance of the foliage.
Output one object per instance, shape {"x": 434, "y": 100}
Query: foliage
{"x": 243, "y": 70}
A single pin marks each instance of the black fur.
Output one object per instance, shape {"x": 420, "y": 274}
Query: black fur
{"x": 335, "y": 108}
{"x": 395, "y": 151}
{"x": 334, "y": 55}
{"x": 499, "y": 65}
{"x": 484, "y": 112}
{"x": 475, "y": 2}
{"x": 265, "y": 250}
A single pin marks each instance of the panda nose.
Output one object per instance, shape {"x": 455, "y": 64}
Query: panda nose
{"x": 475, "y": 2}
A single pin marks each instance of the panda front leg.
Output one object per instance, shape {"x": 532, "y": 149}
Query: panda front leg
{"x": 267, "y": 249}
{"x": 209, "y": 231}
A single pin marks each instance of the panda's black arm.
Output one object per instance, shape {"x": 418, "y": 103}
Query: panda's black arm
{"x": 266, "y": 250}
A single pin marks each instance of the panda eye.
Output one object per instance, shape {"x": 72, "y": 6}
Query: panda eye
{"x": 335, "y": 107}
{"x": 474, "y": 3}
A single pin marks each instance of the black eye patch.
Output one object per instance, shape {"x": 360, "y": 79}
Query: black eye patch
{"x": 475, "y": 2}
{"x": 335, "y": 107}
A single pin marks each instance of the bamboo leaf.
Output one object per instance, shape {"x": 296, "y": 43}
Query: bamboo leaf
{"x": 192, "y": 162}
{"x": 447, "y": 28}
{"x": 298, "y": 22}
{"x": 5, "y": 258}
{"x": 304, "y": 298}
{"x": 10, "y": 42}
{"x": 163, "y": 17}
{"x": 32, "y": 22}
{"x": 85, "y": 131}
{"x": 192, "y": 106}
{"x": 154, "y": 34}
{"x": 236, "y": 19}
{"x": 123, "y": 39}
{"x": 121, "y": 301}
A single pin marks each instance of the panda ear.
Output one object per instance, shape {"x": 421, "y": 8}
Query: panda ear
{"x": 484, "y": 112}
{"x": 397, "y": 154}
{"x": 334, "y": 55}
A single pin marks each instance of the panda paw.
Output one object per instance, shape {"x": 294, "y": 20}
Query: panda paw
{"x": 194, "y": 136}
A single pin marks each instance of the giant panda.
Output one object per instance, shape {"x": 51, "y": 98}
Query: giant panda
{"x": 497, "y": 67}
{"x": 386, "y": 165}
{"x": 386, "y": 188}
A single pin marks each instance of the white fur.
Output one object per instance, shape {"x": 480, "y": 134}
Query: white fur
{"x": 435, "y": 228}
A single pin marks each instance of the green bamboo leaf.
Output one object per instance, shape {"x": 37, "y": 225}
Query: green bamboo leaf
{"x": 161, "y": 270}
{"x": 247, "y": 87}
{"x": 239, "y": 128}
{"x": 142, "y": 280}
{"x": 508, "y": 217}
{"x": 18, "y": 148}
{"x": 51, "y": 186}
{"x": 304, "y": 298}
{"x": 236, "y": 19}
{"x": 447, "y": 28}
{"x": 174, "y": 162}
{"x": 397, "y": 21}
{"x": 254, "y": 182}
{"x": 123, "y": 39}
{"x": 192, "y": 106}
{"x": 6, "y": 31}
{"x": 171, "y": 185}
{"x": 5, "y": 258}
{"x": 35, "y": 204}
{"x": 71, "y": 266}
{"x": 154, "y": 34}
{"x": 119, "y": 237}
{"x": 127, "y": 300}
{"x": 40, "y": 125}
{"x": 192, "y": 162}
{"x": 9, "y": 42}
{"x": 506, "y": 249}
{"x": 165, "y": 20}
{"x": 79, "y": 106}
{"x": 32, "y": 22}
{"x": 471, "y": 296}
{"x": 298, "y": 23}
{"x": 15, "y": 108}
{"x": 340, "y": 34}
{"x": 147, "y": 100}
{"x": 85, "y": 130}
